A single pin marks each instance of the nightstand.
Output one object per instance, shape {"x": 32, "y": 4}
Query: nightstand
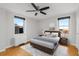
{"x": 63, "y": 41}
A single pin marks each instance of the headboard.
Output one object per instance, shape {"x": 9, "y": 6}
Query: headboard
{"x": 59, "y": 33}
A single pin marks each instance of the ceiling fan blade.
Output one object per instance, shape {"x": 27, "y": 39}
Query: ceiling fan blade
{"x": 36, "y": 14}
{"x": 44, "y": 8}
{"x": 30, "y": 10}
{"x": 34, "y": 6}
{"x": 43, "y": 12}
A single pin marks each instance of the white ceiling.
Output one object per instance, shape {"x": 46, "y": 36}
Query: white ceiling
{"x": 55, "y": 9}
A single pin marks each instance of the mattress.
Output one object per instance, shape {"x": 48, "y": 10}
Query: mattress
{"x": 43, "y": 43}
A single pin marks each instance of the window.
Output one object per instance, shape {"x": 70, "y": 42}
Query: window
{"x": 19, "y": 24}
{"x": 63, "y": 23}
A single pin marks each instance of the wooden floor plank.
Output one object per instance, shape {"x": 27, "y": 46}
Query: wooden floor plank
{"x": 72, "y": 50}
{"x": 17, "y": 51}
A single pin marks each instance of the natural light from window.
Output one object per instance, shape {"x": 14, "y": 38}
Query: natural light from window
{"x": 18, "y": 21}
{"x": 63, "y": 23}
{"x": 19, "y": 25}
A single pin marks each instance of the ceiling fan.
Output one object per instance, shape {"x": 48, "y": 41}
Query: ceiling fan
{"x": 37, "y": 9}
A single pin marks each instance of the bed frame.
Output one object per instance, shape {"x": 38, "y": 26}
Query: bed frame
{"x": 46, "y": 49}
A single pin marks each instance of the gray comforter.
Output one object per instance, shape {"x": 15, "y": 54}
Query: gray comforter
{"x": 48, "y": 39}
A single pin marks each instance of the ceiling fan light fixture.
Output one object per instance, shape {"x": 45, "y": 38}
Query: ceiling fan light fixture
{"x": 37, "y": 9}
{"x": 36, "y": 14}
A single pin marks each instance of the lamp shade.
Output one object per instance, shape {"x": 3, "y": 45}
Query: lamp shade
{"x": 65, "y": 30}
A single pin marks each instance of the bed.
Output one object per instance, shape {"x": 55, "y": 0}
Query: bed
{"x": 46, "y": 43}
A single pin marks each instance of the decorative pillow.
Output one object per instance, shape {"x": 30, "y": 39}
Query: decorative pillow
{"x": 47, "y": 33}
{"x": 54, "y": 34}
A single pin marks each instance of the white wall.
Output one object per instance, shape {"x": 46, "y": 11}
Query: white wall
{"x": 77, "y": 28}
{"x": 44, "y": 24}
{"x": 32, "y": 28}
{"x": 7, "y": 29}
{"x": 72, "y": 34}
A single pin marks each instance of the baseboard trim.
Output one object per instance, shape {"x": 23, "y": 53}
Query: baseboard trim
{"x": 9, "y": 46}
{"x": 73, "y": 44}
{"x": 1, "y": 50}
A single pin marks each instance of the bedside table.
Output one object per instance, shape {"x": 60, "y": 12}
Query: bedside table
{"x": 63, "y": 41}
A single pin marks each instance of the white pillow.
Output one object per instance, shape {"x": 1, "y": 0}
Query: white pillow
{"x": 47, "y": 33}
{"x": 54, "y": 34}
